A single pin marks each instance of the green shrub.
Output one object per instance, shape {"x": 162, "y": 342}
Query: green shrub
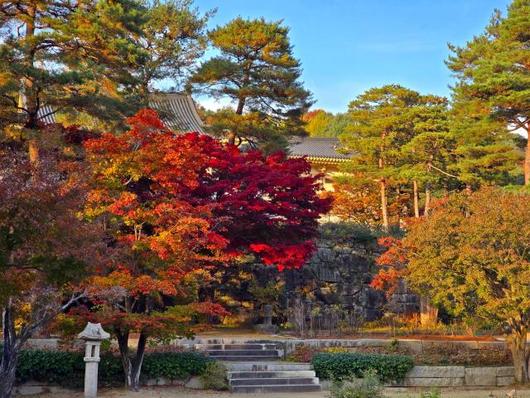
{"x": 214, "y": 376}
{"x": 367, "y": 387}
{"x": 174, "y": 365}
{"x": 341, "y": 366}
{"x": 67, "y": 369}
{"x": 56, "y": 367}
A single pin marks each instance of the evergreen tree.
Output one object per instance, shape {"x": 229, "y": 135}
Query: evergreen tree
{"x": 484, "y": 151}
{"x": 493, "y": 72}
{"x": 65, "y": 57}
{"x": 380, "y": 126}
{"x": 425, "y": 158}
{"x": 173, "y": 40}
{"x": 256, "y": 69}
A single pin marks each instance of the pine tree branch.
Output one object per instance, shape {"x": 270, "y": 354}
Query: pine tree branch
{"x": 444, "y": 172}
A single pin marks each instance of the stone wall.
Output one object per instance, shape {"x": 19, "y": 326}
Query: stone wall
{"x": 459, "y": 376}
{"x": 36, "y": 388}
{"x": 417, "y": 346}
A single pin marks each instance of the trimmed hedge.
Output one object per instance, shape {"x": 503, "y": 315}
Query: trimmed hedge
{"x": 340, "y": 366}
{"x": 67, "y": 369}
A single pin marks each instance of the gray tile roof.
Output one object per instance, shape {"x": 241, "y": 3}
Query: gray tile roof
{"x": 313, "y": 147}
{"x": 176, "y": 110}
{"x": 46, "y": 114}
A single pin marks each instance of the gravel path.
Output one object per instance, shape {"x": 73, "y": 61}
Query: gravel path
{"x": 172, "y": 392}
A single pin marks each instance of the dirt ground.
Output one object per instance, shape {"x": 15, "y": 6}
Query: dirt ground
{"x": 172, "y": 392}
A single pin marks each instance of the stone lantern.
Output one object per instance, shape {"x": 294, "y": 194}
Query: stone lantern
{"x": 93, "y": 335}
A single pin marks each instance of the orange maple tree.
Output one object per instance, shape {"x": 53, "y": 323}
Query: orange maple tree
{"x": 174, "y": 204}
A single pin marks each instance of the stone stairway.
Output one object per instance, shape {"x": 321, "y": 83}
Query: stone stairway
{"x": 256, "y": 367}
{"x": 246, "y": 352}
{"x": 244, "y": 377}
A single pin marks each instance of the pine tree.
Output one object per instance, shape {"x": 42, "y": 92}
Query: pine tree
{"x": 484, "y": 150}
{"x": 256, "y": 69}
{"x": 425, "y": 158}
{"x": 173, "y": 40}
{"x": 380, "y": 126}
{"x": 493, "y": 72}
{"x": 64, "y": 57}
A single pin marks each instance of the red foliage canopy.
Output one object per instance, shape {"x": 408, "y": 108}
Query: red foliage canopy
{"x": 175, "y": 203}
{"x": 250, "y": 202}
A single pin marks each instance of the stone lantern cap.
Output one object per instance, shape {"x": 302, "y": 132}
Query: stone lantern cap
{"x": 93, "y": 332}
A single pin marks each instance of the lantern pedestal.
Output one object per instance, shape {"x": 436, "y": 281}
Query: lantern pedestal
{"x": 93, "y": 336}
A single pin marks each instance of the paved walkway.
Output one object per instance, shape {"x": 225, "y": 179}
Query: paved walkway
{"x": 172, "y": 392}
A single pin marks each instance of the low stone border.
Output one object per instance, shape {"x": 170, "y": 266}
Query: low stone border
{"x": 34, "y": 388}
{"x": 454, "y": 376}
{"x": 419, "y": 376}
{"x": 457, "y": 376}
{"x": 417, "y": 346}
{"x": 290, "y": 344}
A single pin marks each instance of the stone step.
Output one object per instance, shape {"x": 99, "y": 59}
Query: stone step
{"x": 245, "y": 358}
{"x": 271, "y": 353}
{"x": 272, "y": 374}
{"x": 253, "y": 346}
{"x": 267, "y": 366}
{"x": 260, "y": 381}
{"x": 276, "y": 388}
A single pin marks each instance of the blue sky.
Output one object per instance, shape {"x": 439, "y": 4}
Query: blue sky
{"x": 348, "y": 46}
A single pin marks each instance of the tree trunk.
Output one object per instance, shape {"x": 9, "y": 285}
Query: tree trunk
{"x": 427, "y": 208}
{"x": 382, "y": 182}
{"x": 527, "y": 158}
{"x": 31, "y": 96}
{"x": 517, "y": 344}
{"x": 416, "y": 199}
{"x": 428, "y": 313}
{"x": 240, "y": 106}
{"x": 132, "y": 367}
{"x": 10, "y": 352}
{"x": 33, "y": 152}
{"x": 231, "y": 137}
{"x": 384, "y": 204}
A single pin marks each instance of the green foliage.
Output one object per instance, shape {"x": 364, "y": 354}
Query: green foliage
{"x": 67, "y": 368}
{"x": 90, "y": 45}
{"x": 257, "y": 70}
{"x": 368, "y": 386}
{"x": 349, "y": 233}
{"x": 341, "y": 366}
{"x": 318, "y": 123}
{"x": 173, "y": 40}
{"x": 399, "y": 137}
{"x": 214, "y": 376}
{"x": 471, "y": 256}
{"x": 492, "y": 91}
{"x": 468, "y": 249}
{"x": 174, "y": 365}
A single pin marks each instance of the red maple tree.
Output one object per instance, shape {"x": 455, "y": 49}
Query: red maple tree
{"x": 392, "y": 265}
{"x": 175, "y": 204}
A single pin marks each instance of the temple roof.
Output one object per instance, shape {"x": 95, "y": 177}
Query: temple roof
{"x": 177, "y": 111}
{"x": 316, "y": 149}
